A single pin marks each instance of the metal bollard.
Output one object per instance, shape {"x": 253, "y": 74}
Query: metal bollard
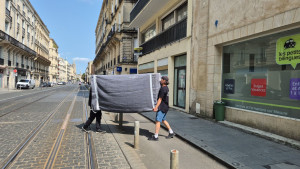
{"x": 136, "y": 134}
{"x": 174, "y": 162}
{"x": 120, "y": 119}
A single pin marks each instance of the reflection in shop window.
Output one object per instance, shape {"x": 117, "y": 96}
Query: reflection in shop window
{"x": 259, "y": 83}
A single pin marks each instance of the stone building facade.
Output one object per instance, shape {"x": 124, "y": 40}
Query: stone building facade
{"x": 164, "y": 33}
{"x": 235, "y": 58}
{"x": 242, "y": 52}
{"x": 53, "y": 57}
{"x": 114, "y": 39}
{"x": 24, "y": 41}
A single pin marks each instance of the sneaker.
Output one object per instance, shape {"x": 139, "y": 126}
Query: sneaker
{"x": 100, "y": 131}
{"x": 153, "y": 138}
{"x": 85, "y": 129}
{"x": 171, "y": 135}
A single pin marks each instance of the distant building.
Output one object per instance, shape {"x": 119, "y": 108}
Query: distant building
{"x": 53, "y": 57}
{"x": 115, "y": 40}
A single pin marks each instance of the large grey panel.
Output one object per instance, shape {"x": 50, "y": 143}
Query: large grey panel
{"x": 125, "y": 93}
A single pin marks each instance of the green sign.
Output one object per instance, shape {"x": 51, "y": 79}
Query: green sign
{"x": 288, "y": 50}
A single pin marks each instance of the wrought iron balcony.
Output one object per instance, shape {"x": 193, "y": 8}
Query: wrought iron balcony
{"x": 1, "y": 61}
{"x": 9, "y": 63}
{"x": 172, "y": 34}
{"x": 127, "y": 60}
{"x": 138, "y": 8}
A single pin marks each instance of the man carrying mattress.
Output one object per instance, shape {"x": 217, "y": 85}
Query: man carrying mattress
{"x": 94, "y": 113}
{"x": 161, "y": 109}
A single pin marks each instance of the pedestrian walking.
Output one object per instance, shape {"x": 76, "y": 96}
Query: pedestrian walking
{"x": 94, "y": 113}
{"x": 161, "y": 109}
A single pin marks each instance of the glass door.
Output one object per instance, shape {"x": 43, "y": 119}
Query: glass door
{"x": 180, "y": 81}
{"x": 0, "y": 80}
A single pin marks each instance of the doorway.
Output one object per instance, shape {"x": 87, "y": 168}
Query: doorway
{"x": 180, "y": 81}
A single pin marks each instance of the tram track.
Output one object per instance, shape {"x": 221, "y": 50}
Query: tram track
{"x": 27, "y": 104}
{"x": 19, "y": 100}
{"x": 20, "y": 96}
{"x": 91, "y": 160}
{"x": 7, "y": 162}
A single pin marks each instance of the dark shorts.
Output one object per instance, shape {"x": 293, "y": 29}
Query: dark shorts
{"x": 160, "y": 116}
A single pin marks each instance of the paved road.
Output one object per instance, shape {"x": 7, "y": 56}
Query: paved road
{"x": 54, "y": 117}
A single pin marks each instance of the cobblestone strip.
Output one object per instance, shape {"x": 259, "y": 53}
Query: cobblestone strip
{"x": 124, "y": 149}
{"x": 36, "y": 152}
{"x": 16, "y": 127}
{"x": 72, "y": 150}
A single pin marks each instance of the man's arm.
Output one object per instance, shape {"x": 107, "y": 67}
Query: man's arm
{"x": 157, "y": 105}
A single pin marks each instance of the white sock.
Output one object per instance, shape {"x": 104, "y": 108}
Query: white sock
{"x": 155, "y": 135}
{"x": 170, "y": 131}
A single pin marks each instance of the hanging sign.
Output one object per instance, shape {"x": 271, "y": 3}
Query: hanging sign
{"x": 288, "y": 50}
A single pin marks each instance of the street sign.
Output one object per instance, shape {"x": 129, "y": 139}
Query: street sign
{"x": 16, "y": 74}
{"x": 15, "y": 70}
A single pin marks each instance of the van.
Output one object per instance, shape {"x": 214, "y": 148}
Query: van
{"x": 26, "y": 83}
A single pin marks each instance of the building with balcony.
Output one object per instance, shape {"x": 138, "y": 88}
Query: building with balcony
{"x": 53, "y": 57}
{"x": 229, "y": 51}
{"x": 89, "y": 71}
{"x": 115, "y": 40}
{"x": 19, "y": 58}
{"x": 164, "y": 33}
{"x": 62, "y": 70}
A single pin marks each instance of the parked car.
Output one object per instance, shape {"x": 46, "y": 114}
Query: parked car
{"x": 51, "y": 84}
{"x": 26, "y": 83}
{"x": 60, "y": 83}
{"x": 44, "y": 84}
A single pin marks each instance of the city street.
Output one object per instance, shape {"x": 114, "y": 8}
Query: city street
{"x": 41, "y": 128}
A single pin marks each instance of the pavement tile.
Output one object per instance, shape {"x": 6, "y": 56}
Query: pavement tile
{"x": 229, "y": 144}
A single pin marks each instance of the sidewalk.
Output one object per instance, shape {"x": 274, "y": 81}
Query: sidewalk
{"x": 236, "y": 148}
{"x": 5, "y": 90}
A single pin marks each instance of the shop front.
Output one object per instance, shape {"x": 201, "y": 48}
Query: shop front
{"x": 263, "y": 74}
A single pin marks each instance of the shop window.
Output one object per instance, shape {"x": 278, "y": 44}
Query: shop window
{"x": 263, "y": 74}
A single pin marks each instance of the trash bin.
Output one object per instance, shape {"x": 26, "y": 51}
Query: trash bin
{"x": 219, "y": 109}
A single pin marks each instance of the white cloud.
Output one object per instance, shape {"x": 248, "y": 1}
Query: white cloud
{"x": 81, "y": 59}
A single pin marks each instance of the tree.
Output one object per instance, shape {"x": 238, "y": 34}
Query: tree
{"x": 83, "y": 77}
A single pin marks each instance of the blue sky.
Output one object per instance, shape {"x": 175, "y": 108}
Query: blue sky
{"x": 72, "y": 25}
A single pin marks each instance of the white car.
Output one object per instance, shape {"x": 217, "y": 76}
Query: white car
{"x": 26, "y": 83}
